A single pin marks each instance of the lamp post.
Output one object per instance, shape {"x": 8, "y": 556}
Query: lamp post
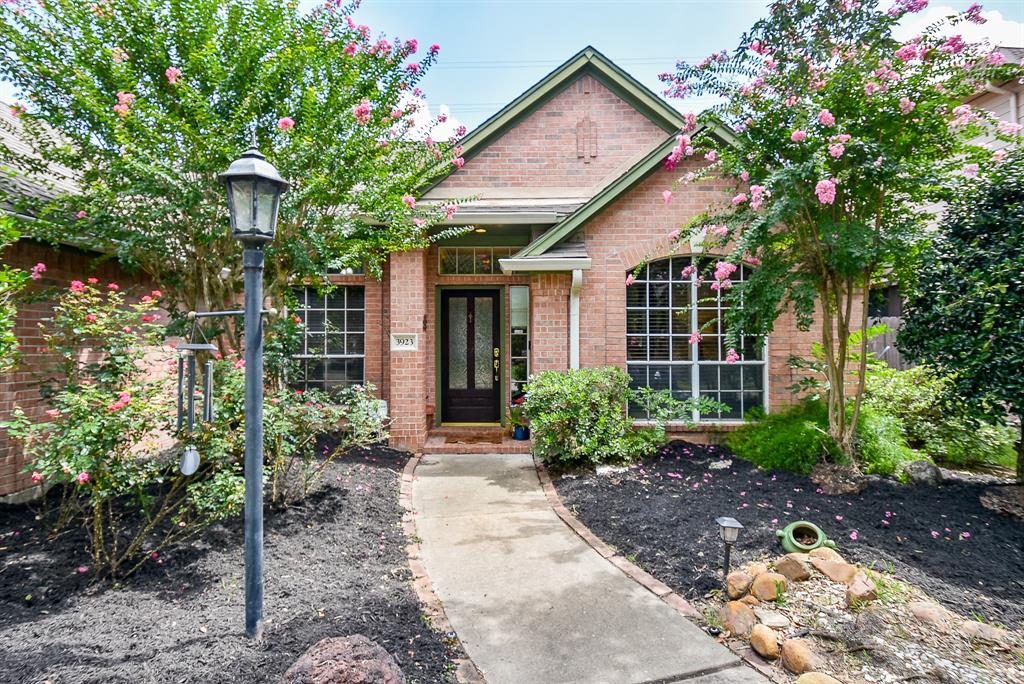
{"x": 729, "y": 531}
{"x": 254, "y": 194}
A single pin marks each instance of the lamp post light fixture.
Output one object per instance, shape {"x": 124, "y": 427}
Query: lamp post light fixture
{"x": 254, "y": 190}
{"x": 729, "y": 531}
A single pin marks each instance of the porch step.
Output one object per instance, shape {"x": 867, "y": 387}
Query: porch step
{"x": 473, "y": 440}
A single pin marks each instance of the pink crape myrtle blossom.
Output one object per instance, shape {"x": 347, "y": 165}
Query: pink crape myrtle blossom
{"x": 907, "y": 7}
{"x": 1007, "y": 128}
{"x": 17, "y": 109}
{"x": 434, "y": 49}
{"x": 908, "y": 52}
{"x": 77, "y": 286}
{"x": 798, "y": 136}
{"x": 173, "y": 74}
{"x": 674, "y": 235}
{"x": 37, "y": 271}
{"x": 695, "y": 337}
{"x": 124, "y": 103}
{"x": 37, "y": 476}
{"x": 459, "y": 162}
{"x": 711, "y": 156}
{"x": 953, "y": 45}
{"x": 970, "y": 170}
{"x": 666, "y": 196}
{"x": 836, "y": 150}
{"x": 409, "y": 201}
{"x": 724, "y": 269}
{"x": 826, "y": 191}
{"x": 744, "y": 176}
{"x": 739, "y": 199}
{"x": 630, "y": 280}
{"x": 907, "y": 105}
{"x": 362, "y": 112}
{"x": 995, "y": 58}
{"x": 286, "y": 123}
{"x": 419, "y": 222}
{"x": 731, "y": 356}
{"x": 758, "y": 194}
{"x": 720, "y": 231}
{"x": 963, "y": 115}
{"x": 999, "y": 156}
{"x": 688, "y": 272}
{"x": 826, "y": 118}
{"x": 81, "y": 214}
{"x": 82, "y": 478}
{"x": 973, "y": 14}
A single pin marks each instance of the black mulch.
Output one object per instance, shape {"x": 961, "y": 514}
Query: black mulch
{"x": 334, "y": 566}
{"x": 662, "y": 512}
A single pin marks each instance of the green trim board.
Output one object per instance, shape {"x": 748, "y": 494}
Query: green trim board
{"x": 502, "y": 361}
{"x": 611, "y": 192}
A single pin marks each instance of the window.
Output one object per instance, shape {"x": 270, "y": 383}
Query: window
{"x": 519, "y": 337}
{"x": 660, "y": 317}
{"x": 334, "y": 337}
{"x": 471, "y": 260}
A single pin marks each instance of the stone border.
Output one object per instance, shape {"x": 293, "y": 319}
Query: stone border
{"x": 641, "y": 576}
{"x": 465, "y": 671}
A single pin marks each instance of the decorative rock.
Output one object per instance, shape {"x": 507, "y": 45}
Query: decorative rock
{"x": 861, "y": 590}
{"x": 798, "y": 656}
{"x": 837, "y": 571}
{"x": 754, "y": 569}
{"x": 750, "y": 600}
{"x": 816, "y": 678}
{"x": 795, "y": 566}
{"x": 928, "y": 612}
{"x": 923, "y": 473}
{"x": 826, "y": 553}
{"x": 768, "y": 586}
{"x": 345, "y": 660}
{"x": 771, "y": 618}
{"x": 737, "y": 618}
{"x": 837, "y": 479}
{"x": 764, "y": 641}
{"x": 737, "y": 583}
{"x": 983, "y": 631}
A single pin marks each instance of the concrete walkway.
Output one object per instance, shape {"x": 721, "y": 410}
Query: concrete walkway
{"x": 534, "y": 604}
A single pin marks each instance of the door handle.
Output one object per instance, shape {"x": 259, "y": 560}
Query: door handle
{"x": 497, "y": 364}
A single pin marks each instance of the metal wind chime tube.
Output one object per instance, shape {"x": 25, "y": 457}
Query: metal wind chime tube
{"x": 187, "y": 394}
{"x": 181, "y": 391}
{"x": 208, "y": 392}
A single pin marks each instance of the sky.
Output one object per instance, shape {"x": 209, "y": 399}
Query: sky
{"x": 493, "y": 50}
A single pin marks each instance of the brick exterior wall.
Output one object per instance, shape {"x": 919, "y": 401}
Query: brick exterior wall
{"x": 577, "y": 139}
{"x": 21, "y": 387}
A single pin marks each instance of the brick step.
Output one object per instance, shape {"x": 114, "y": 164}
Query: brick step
{"x": 448, "y": 440}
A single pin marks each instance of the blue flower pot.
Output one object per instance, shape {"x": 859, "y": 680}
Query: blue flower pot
{"x": 521, "y": 433}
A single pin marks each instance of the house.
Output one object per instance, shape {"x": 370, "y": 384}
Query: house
{"x": 567, "y": 185}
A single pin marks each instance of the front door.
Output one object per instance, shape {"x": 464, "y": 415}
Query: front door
{"x": 470, "y": 356}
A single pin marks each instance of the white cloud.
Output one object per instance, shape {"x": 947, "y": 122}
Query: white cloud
{"x": 997, "y": 31}
{"x": 425, "y": 121}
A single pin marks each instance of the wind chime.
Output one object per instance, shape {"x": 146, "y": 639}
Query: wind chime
{"x": 187, "y": 391}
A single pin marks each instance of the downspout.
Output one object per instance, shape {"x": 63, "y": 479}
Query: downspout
{"x": 1014, "y": 112}
{"x": 574, "y": 318}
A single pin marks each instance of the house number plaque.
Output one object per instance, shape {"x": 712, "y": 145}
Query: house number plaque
{"x": 404, "y": 342}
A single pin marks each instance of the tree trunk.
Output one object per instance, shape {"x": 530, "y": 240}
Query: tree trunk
{"x": 1020, "y": 452}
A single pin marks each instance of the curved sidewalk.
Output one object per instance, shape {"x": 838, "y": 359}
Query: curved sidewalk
{"x": 531, "y": 602}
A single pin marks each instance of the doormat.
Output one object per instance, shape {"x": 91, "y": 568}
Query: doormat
{"x": 474, "y": 439}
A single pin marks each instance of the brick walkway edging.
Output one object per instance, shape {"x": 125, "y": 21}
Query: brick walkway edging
{"x": 638, "y": 574}
{"x": 465, "y": 671}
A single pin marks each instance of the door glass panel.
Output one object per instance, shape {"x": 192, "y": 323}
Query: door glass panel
{"x": 483, "y": 343}
{"x": 458, "y": 331}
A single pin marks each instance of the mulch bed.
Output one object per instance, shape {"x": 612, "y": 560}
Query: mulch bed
{"x": 334, "y": 566}
{"x": 661, "y": 512}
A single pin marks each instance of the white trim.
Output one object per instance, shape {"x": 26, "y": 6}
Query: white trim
{"x": 508, "y": 218}
{"x": 1014, "y": 113}
{"x": 528, "y": 264}
{"x": 574, "y": 318}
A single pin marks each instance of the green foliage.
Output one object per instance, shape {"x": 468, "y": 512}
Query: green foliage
{"x": 936, "y": 424}
{"x": 842, "y": 138}
{"x": 964, "y": 315}
{"x": 795, "y": 439}
{"x": 578, "y": 417}
{"x": 517, "y": 416}
{"x": 145, "y": 103}
{"x": 12, "y": 280}
{"x": 108, "y": 441}
{"x": 881, "y": 445}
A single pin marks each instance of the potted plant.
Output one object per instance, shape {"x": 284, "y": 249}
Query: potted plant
{"x": 516, "y": 418}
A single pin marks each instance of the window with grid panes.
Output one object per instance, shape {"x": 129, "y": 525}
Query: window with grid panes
{"x": 334, "y": 337}
{"x": 471, "y": 260}
{"x": 519, "y": 338}
{"x": 663, "y": 309}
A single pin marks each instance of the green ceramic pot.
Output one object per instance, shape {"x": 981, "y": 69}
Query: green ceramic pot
{"x": 806, "y": 531}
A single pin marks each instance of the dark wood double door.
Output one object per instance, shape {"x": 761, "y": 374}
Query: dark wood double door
{"x": 470, "y": 356}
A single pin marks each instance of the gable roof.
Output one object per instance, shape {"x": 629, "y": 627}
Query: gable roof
{"x": 587, "y": 61}
{"x": 613, "y": 190}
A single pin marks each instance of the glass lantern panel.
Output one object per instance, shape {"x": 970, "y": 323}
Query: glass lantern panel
{"x": 241, "y": 199}
{"x": 268, "y": 195}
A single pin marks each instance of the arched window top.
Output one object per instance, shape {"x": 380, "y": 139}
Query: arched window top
{"x": 675, "y": 338}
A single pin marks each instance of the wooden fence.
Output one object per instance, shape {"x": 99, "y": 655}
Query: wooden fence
{"x": 884, "y": 346}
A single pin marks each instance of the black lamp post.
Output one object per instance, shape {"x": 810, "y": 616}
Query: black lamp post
{"x": 729, "y": 531}
{"x": 254, "y": 195}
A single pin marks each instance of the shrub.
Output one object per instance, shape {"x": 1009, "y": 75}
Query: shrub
{"x": 578, "y": 416}
{"x": 948, "y": 432}
{"x": 106, "y": 440}
{"x": 880, "y": 444}
{"x": 795, "y": 439}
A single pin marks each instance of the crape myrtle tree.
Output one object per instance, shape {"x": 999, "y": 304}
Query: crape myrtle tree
{"x": 147, "y": 101}
{"x": 965, "y": 312}
{"x": 843, "y": 136}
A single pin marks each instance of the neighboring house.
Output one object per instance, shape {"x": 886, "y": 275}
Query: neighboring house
{"x": 21, "y": 387}
{"x": 567, "y": 183}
